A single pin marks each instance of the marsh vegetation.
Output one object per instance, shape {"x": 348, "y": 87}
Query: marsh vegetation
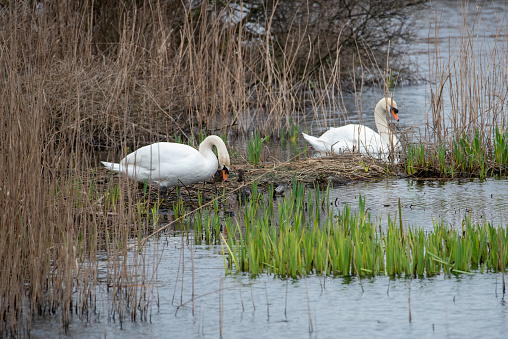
{"x": 88, "y": 81}
{"x": 303, "y": 234}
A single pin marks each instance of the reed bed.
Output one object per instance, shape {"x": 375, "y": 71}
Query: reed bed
{"x": 466, "y": 126}
{"x": 301, "y": 234}
{"x": 157, "y": 71}
{"x": 468, "y": 156}
{"x": 81, "y": 77}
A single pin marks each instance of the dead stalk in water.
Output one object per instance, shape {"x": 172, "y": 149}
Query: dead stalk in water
{"x": 311, "y": 329}
{"x": 501, "y": 261}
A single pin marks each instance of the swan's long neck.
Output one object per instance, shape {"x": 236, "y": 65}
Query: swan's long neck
{"x": 383, "y": 128}
{"x": 205, "y": 148}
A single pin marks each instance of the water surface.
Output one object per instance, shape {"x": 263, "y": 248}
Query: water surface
{"x": 466, "y": 306}
{"x": 426, "y": 201}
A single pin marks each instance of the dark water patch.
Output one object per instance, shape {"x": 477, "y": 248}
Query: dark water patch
{"x": 426, "y": 200}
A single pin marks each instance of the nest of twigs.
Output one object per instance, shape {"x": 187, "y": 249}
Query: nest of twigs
{"x": 320, "y": 172}
{"x": 335, "y": 169}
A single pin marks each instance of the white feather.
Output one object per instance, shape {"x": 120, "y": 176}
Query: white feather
{"x": 359, "y": 138}
{"x": 170, "y": 164}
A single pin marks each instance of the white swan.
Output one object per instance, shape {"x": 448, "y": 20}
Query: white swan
{"x": 361, "y": 138}
{"x": 170, "y": 164}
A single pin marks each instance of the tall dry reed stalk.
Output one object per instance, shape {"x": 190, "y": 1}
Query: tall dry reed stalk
{"x": 154, "y": 69}
{"x": 466, "y": 130}
{"x": 469, "y": 87}
{"x": 58, "y": 224}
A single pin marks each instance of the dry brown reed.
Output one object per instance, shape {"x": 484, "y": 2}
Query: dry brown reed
{"x": 152, "y": 70}
{"x": 469, "y": 88}
{"x": 466, "y": 128}
{"x": 338, "y": 169}
{"x": 55, "y": 219}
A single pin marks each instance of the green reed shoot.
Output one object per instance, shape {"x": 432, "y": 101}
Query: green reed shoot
{"x": 178, "y": 138}
{"x": 293, "y": 132}
{"x": 441, "y": 156}
{"x": 155, "y": 214}
{"x": 466, "y": 155}
{"x": 112, "y": 196}
{"x": 254, "y": 148}
{"x": 415, "y": 161}
{"x": 501, "y": 148}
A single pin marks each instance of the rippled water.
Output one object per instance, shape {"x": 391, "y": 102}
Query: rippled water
{"x": 425, "y": 201}
{"x": 443, "y": 306}
{"x": 467, "y": 306}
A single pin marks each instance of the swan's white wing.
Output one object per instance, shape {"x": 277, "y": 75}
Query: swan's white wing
{"x": 169, "y": 164}
{"x": 160, "y": 154}
{"x": 353, "y": 138}
{"x": 359, "y": 138}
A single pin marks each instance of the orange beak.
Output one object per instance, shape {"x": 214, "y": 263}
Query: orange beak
{"x": 225, "y": 173}
{"x": 394, "y": 114}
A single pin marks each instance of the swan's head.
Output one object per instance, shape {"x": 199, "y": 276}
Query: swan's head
{"x": 388, "y": 105}
{"x": 222, "y": 153}
{"x": 223, "y": 157}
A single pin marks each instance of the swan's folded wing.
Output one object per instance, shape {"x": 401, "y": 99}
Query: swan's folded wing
{"x": 159, "y": 155}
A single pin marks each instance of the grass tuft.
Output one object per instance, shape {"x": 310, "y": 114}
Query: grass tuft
{"x": 254, "y": 148}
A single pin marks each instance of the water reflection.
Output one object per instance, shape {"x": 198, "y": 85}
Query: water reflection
{"x": 426, "y": 200}
{"x": 442, "y": 306}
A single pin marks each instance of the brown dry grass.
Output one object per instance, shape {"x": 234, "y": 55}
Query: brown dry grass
{"x": 55, "y": 220}
{"x": 338, "y": 169}
{"x": 468, "y": 82}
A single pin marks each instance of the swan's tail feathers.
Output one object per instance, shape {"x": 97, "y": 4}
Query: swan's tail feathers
{"x": 307, "y": 137}
{"x": 111, "y": 166}
{"x": 311, "y": 140}
{"x": 316, "y": 143}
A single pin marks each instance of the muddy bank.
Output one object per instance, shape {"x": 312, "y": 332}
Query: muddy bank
{"x": 335, "y": 170}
